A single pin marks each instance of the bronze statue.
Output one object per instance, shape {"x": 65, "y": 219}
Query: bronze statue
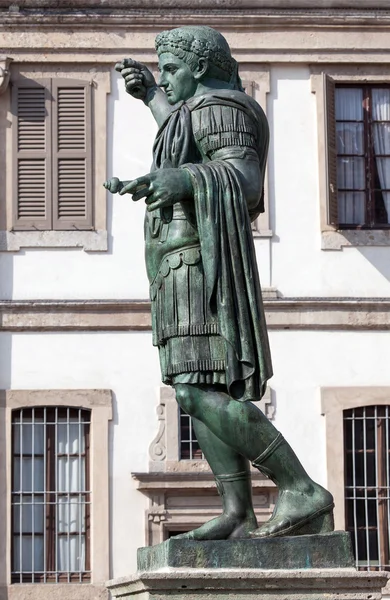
{"x": 204, "y": 189}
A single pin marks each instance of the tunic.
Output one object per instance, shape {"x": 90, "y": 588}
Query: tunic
{"x": 207, "y": 313}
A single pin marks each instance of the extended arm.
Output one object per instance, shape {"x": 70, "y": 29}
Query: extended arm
{"x": 166, "y": 187}
{"x": 156, "y": 100}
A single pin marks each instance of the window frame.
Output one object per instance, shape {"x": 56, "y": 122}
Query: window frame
{"x": 368, "y": 155}
{"x": 323, "y": 76}
{"x": 370, "y": 486}
{"x": 53, "y": 155}
{"x": 187, "y": 437}
{"x": 51, "y": 498}
{"x": 99, "y": 402}
{"x": 334, "y": 400}
{"x": 98, "y": 79}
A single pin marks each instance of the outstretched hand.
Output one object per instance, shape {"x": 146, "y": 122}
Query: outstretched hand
{"x": 138, "y": 78}
{"x": 161, "y": 188}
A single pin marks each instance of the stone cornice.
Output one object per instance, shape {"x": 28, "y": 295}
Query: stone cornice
{"x": 175, "y": 4}
{"x": 323, "y": 314}
{"x": 155, "y": 14}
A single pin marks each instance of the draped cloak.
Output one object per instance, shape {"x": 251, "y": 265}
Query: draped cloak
{"x": 192, "y": 138}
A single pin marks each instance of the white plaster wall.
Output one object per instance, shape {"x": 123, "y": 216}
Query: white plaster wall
{"x": 127, "y": 364}
{"x": 124, "y": 363}
{"x": 306, "y": 361}
{"x": 118, "y": 273}
{"x": 299, "y": 266}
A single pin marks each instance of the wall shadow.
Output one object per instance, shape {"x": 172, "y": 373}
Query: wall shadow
{"x": 379, "y": 257}
{"x": 113, "y": 97}
{"x": 5, "y": 458}
{"x": 111, "y": 429}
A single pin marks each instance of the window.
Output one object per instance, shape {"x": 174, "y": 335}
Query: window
{"x": 50, "y": 495}
{"x": 359, "y": 155}
{"x": 52, "y": 154}
{"x": 367, "y": 485}
{"x": 189, "y": 446}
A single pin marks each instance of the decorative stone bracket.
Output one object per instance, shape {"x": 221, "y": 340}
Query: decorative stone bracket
{"x": 5, "y": 62}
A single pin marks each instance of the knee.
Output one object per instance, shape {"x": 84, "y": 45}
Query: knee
{"x": 185, "y": 398}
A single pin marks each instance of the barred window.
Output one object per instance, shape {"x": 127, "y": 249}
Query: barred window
{"x": 189, "y": 448}
{"x": 367, "y": 485}
{"x": 50, "y": 495}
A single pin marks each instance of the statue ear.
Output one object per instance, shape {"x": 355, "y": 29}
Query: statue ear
{"x": 203, "y": 67}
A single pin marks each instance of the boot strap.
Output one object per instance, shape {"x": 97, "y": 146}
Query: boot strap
{"x": 221, "y": 479}
{"x": 268, "y": 451}
{"x": 233, "y": 476}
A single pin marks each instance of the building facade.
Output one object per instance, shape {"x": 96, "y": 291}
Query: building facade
{"x": 95, "y": 458}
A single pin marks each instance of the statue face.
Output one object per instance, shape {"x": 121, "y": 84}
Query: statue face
{"x": 176, "y": 78}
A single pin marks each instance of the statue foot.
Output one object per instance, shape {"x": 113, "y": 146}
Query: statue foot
{"x": 300, "y": 514}
{"x": 222, "y": 528}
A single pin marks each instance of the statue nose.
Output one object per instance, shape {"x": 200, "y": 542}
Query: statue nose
{"x": 162, "y": 83}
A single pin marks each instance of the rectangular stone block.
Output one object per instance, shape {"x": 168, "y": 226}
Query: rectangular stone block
{"x": 250, "y": 584}
{"x": 332, "y": 550}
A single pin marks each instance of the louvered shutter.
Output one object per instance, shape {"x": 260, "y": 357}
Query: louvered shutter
{"x": 331, "y": 150}
{"x": 31, "y": 125}
{"x": 72, "y": 168}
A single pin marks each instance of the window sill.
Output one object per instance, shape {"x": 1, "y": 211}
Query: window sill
{"x": 47, "y": 591}
{"x": 263, "y": 233}
{"x": 336, "y": 240}
{"x": 89, "y": 241}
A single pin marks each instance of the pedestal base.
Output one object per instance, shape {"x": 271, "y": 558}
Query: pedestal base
{"x": 314, "y": 567}
{"x": 253, "y": 584}
{"x": 325, "y": 551}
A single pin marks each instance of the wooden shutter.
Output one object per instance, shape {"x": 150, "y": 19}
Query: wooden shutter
{"x": 331, "y": 150}
{"x": 31, "y": 124}
{"x": 72, "y": 148}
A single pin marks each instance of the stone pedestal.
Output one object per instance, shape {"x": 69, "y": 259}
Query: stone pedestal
{"x": 316, "y": 567}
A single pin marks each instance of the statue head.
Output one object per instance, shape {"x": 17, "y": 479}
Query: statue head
{"x": 204, "y": 51}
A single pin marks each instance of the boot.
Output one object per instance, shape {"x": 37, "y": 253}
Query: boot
{"x": 303, "y": 507}
{"x": 235, "y": 491}
{"x": 233, "y": 480}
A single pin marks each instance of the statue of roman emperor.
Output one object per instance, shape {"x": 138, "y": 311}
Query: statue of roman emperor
{"x": 204, "y": 189}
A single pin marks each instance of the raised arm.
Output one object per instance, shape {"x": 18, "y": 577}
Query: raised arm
{"x": 141, "y": 84}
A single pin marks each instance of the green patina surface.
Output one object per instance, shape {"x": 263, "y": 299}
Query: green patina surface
{"x": 331, "y": 550}
{"x": 204, "y": 189}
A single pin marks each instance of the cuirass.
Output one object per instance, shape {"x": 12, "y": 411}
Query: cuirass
{"x": 162, "y": 238}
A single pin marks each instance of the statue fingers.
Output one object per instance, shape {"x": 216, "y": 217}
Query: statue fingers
{"x": 135, "y": 86}
{"x": 154, "y": 205}
{"x": 157, "y": 200}
{"x": 130, "y": 62}
{"x": 133, "y": 78}
{"x": 119, "y": 66}
{"x": 125, "y": 63}
{"x": 143, "y": 192}
{"x": 133, "y": 186}
{"x": 126, "y": 72}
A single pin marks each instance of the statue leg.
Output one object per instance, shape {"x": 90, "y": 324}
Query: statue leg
{"x": 233, "y": 479}
{"x": 303, "y": 506}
